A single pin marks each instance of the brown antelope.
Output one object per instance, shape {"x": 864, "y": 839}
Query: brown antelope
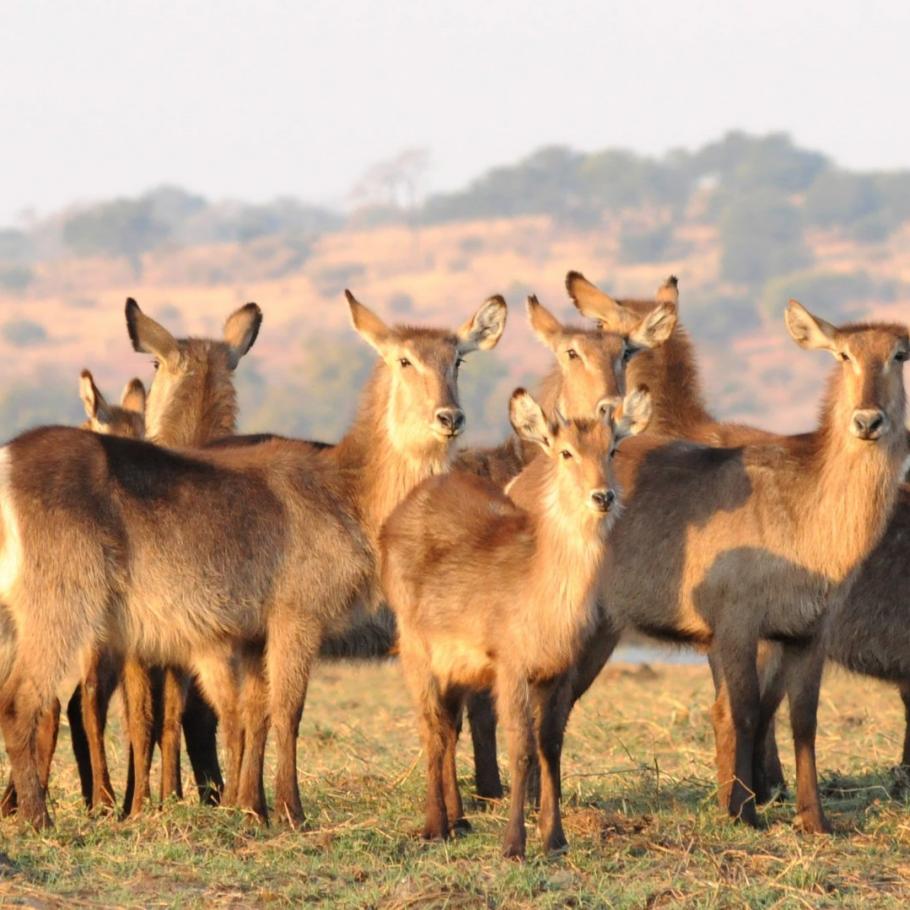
{"x": 408, "y": 419}
{"x": 587, "y": 377}
{"x": 496, "y": 590}
{"x": 728, "y": 547}
{"x": 185, "y": 558}
{"x": 192, "y": 403}
{"x": 128, "y": 420}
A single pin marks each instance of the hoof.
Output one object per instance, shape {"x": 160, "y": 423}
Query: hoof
{"x": 555, "y": 843}
{"x": 434, "y": 832}
{"x": 812, "y": 823}
{"x": 461, "y": 827}
{"x": 514, "y": 850}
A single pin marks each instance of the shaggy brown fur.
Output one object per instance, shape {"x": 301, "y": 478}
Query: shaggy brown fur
{"x": 756, "y": 542}
{"x": 501, "y": 594}
{"x": 408, "y": 419}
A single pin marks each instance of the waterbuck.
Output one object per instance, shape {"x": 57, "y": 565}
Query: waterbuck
{"x": 128, "y": 420}
{"x": 729, "y": 547}
{"x": 408, "y": 420}
{"x": 496, "y": 590}
{"x": 188, "y": 558}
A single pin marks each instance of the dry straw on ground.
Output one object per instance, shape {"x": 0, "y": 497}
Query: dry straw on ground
{"x": 640, "y": 815}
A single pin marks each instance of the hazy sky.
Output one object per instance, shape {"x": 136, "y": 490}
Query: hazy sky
{"x": 257, "y": 99}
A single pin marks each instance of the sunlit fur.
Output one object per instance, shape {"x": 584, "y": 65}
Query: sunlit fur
{"x": 126, "y": 419}
{"x": 734, "y": 545}
{"x": 496, "y": 590}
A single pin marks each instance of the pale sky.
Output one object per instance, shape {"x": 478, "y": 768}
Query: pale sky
{"x": 252, "y": 100}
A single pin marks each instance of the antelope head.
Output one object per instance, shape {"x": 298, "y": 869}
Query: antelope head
{"x": 193, "y": 385}
{"x": 422, "y": 414}
{"x": 580, "y": 452}
{"x": 126, "y": 419}
{"x": 871, "y": 403}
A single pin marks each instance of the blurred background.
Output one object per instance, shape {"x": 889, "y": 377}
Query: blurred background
{"x": 197, "y": 156}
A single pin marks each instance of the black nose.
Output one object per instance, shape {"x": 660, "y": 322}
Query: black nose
{"x": 868, "y": 423}
{"x": 452, "y": 419}
{"x": 603, "y": 499}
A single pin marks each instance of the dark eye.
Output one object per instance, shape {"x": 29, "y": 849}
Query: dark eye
{"x": 901, "y": 356}
{"x": 404, "y": 361}
{"x": 843, "y": 356}
{"x": 155, "y": 364}
{"x": 612, "y": 451}
{"x": 459, "y": 361}
{"x": 628, "y": 353}
{"x": 566, "y": 454}
{"x": 572, "y": 354}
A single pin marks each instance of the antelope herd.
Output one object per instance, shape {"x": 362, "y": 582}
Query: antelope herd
{"x": 203, "y": 572}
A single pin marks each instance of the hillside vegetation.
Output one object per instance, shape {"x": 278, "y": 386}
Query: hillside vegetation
{"x": 745, "y": 222}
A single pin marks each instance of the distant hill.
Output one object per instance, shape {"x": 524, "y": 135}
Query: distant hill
{"x": 745, "y": 222}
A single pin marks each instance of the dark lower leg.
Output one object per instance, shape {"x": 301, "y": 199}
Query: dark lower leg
{"x": 200, "y": 726}
{"x": 482, "y": 720}
{"x": 80, "y": 745}
{"x": 904, "y": 689}
{"x": 805, "y": 673}
{"x": 94, "y": 722}
{"x": 552, "y": 716}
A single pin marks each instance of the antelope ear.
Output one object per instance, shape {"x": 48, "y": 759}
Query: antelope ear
{"x": 92, "y": 399}
{"x": 147, "y": 336}
{"x": 595, "y": 304}
{"x": 240, "y": 331}
{"x": 544, "y": 324}
{"x": 668, "y": 292}
{"x": 528, "y": 419}
{"x": 368, "y": 325}
{"x": 133, "y": 398}
{"x": 484, "y": 329}
{"x": 810, "y": 331}
{"x": 656, "y": 327}
{"x": 634, "y": 414}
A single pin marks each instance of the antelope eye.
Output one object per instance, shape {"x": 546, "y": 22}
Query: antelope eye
{"x": 404, "y": 361}
{"x": 628, "y": 353}
{"x": 612, "y": 451}
{"x": 566, "y": 454}
{"x": 155, "y": 364}
{"x": 844, "y": 356}
{"x": 458, "y": 362}
{"x": 901, "y": 355}
{"x": 572, "y": 354}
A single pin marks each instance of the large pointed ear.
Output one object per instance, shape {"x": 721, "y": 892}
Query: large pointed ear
{"x": 528, "y": 419}
{"x": 595, "y": 304}
{"x": 147, "y": 336}
{"x": 484, "y": 329}
{"x": 810, "y": 331}
{"x": 133, "y": 397}
{"x": 656, "y": 327}
{"x": 369, "y": 326}
{"x": 634, "y": 414}
{"x": 240, "y": 331}
{"x": 95, "y": 405}
{"x": 545, "y": 325}
{"x": 668, "y": 292}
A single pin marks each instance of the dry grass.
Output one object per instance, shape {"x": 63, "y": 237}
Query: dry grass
{"x": 639, "y": 805}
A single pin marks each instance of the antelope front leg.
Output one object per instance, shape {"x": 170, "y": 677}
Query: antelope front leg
{"x": 254, "y": 714}
{"x": 93, "y": 720}
{"x": 737, "y": 656}
{"x": 45, "y": 745}
{"x": 173, "y": 695}
{"x": 553, "y": 706}
{"x": 137, "y": 695}
{"x": 804, "y": 675}
{"x": 514, "y": 711}
{"x": 483, "y": 736}
{"x": 451, "y": 711}
{"x": 200, "y": 728}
